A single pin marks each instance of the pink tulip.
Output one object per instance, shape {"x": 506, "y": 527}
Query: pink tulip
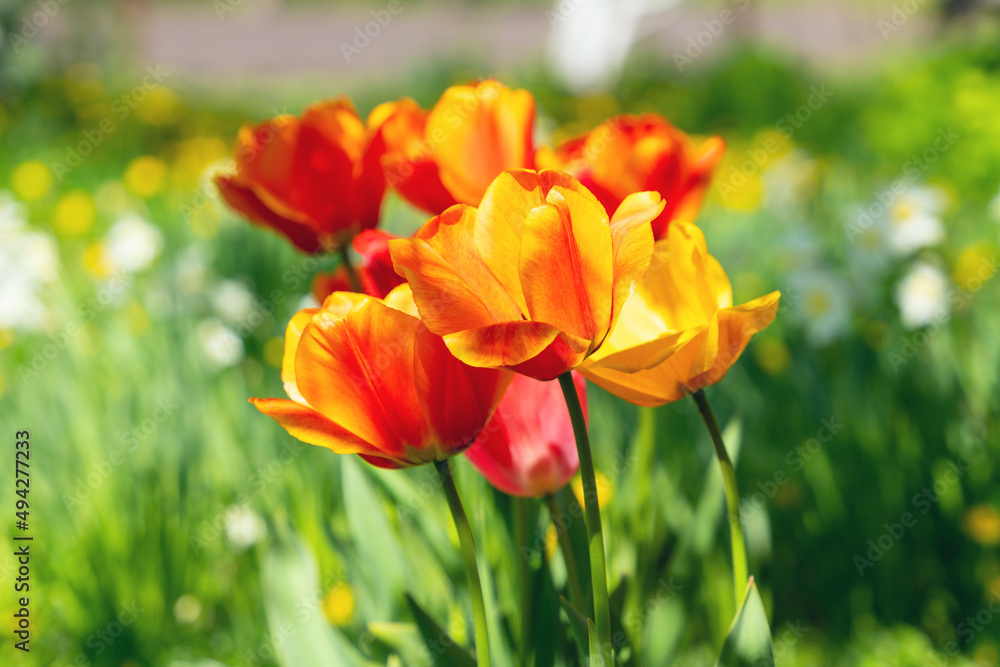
{"x": 528, "y": 448}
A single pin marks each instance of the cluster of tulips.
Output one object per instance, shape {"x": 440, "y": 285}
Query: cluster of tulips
{"x": 576, "y": 263}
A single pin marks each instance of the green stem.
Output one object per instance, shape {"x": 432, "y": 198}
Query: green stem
{"x": 595, "y": 533}
{"x": 572, "y": 571}
{"x": 352, "y": 277}
{"x": 740, "y": 569}
{"x": 468, "y": 559}
{"x": 524, "y": 576}
{"x": 646, "y": 458}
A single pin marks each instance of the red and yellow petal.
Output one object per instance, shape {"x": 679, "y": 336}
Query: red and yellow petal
{"x": 509, "y": 344}
{"x": 331, "y": 142}
{"x": 244, "y": 199}
{"x": 479, "y": 131}
{"x": 293, "y": 332}
{"x": 265, "y": 153}
{"x": 737, "y": 325}
{"x": 563, "y": 354}
{"x": 632, "y": 241}
{"x": 565, "y": 264}
{"x": 358, "y": 372}
{"x": 452, "y": 287}
{"x": 501, "y": 216}
{"x": 408, "y": 161}
{"x": 310, "y": 426}
{"x": 457, "y": 400}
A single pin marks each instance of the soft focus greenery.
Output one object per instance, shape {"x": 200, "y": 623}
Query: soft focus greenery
{"x": 236, "y": 544}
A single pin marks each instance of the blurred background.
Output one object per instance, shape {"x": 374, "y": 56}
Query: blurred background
{"x": 174, "y": 525}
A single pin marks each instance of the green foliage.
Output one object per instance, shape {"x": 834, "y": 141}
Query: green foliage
{"x": 360, "y": 566}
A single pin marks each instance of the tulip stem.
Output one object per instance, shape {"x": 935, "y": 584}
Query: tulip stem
{"x": 572, "y": 571}
{"x": 740, "y": 568}
{"x": 352, "y": 276}
{"x": 523, "y": 576}
{"x": 592, "y": 510}
{"x": 468, "y": 559}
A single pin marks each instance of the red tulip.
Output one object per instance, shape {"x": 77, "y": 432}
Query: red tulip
{"x": 452, "y": 153}
{"x": 366, "y": 377}
{"x": 629, "y": 154}
{"x": 528, "y": 448}
{"x": 316, "y": 179}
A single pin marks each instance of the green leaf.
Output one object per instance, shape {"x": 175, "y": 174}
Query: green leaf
{"x": 290, "y": 586}
{"x": 547, "y": 628}
{"x": 402, "y": 638}
{"x": 596, "y": 657}
{"x": 444, "y": 650}
{"x": 748, "y": 643}
{"x": 381, "y": 557}
{"x": 577, "y": 625}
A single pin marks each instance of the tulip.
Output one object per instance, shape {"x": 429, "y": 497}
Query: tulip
{"x": 452, "y": 153}
{"x": 375, "y": 275}
{"x": 629, "y": 154}
{"x": 316, "y": 179}
{"x": 366, "y": 377}
{"x": 408, "y": 160}
{"x": 533, "y": 280}
{"x": 679, "y": 332}
{"x": 528, "y": 448}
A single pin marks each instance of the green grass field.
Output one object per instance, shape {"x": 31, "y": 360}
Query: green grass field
{"x": 175, "y": 525}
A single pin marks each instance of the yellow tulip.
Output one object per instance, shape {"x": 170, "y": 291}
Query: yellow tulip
{"x": 679, "y": 332}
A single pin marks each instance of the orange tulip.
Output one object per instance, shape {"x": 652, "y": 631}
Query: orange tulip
{"x": 366, "y": 377}
{"x": 375, "y": 274}
{"x": 628, "y": 154}
{"x": 533, "y": 280}
{"x": 528, "y": 448}
{"x": 408, "y": 161}
{"x": 679, "y": 332}
{"x": 316, "y": 179}
{"x": 452, "y": 153}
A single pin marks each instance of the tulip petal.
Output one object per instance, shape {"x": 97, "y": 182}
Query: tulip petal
{"x": 566, "y": 264}
{"x": 646, "y": 354}
{"x": 408, "y": 161}
{"x": 417, "y": 180}
{"x": 357, "y": 371}
{"x": 331, "y": 141}
{"x": 452, "y": 287}
{"x": 482, "y": 130}
{"x": 632, "y": 240}
{"x": 401, "y": 298}
{"x": 564, "y": 353}
{"x": 694, "y": 187}
{"x": 265, "y": 153}
{"x": 457, "y": 400}
{"x": 245, "y": 200}
{"x": 293, "y": 332}
{"x": 652, "y": 387}
{"x": 509, "y": 343}
{"x": 376, "y": 273}
{"x": 528, "y": 448}
{"x": 737, "y": 326}
{"x": 501, "y": 216}
{"x": 685, "y": 284}
{"x": 307, "y": 425}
